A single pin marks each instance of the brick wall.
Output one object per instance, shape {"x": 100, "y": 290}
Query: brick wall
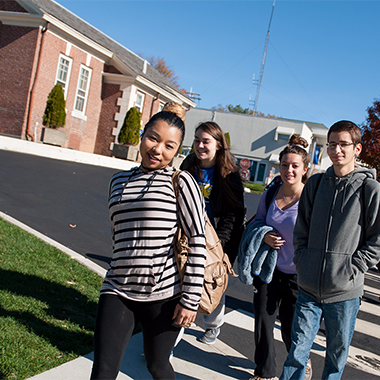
{"x": 155, "y": 106}
{"x": 107, "y": 122}
{"x": 151, "y": 105}
{"x": 17, "y": 54}
{"x": 11, "y": 6}
{"x": 146, "y": 113}
{"x": 81, "y": 132}
{"x": 45, "y": 79}
{"x": 111, "y": 69}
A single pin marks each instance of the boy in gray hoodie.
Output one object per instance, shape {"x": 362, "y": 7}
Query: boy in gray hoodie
{"x": 336, "y": 240}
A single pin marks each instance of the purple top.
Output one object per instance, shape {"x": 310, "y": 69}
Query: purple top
{"x": 283, "y": 221}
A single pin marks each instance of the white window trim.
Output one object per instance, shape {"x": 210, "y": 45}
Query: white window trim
{"x": 75, "y": 112}
{"x": 283, "y": 131}
{"x": 142, "y": 100}
{"x": 65, "y": 91}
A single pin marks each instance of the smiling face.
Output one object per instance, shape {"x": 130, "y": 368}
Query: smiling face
{"x": 159, "y": 144}
{"x": 292, "y": 168}
{"x": 205, "y": 148}
{"x": 343, "y": 158}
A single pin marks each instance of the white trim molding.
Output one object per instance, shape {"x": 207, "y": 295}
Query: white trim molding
{"x": 22, "y": 19}
{"x": 283, "y": 131}
{"x": 64, "y": 83}
{"x": 171, "y": 96}
{"x": 82, "y": 90}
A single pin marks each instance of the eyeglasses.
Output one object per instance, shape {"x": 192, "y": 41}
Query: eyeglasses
{"x": 342, "y": 145}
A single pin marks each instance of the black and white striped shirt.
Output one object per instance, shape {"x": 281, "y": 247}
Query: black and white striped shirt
{"x": 143, "y": 215}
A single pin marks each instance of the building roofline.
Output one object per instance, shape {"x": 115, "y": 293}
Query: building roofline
{"x": 308, "y": 123}
{"x": 77, "y": 35}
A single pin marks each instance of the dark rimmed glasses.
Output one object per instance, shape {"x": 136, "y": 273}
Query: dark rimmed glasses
{"x": 342, "y": 144}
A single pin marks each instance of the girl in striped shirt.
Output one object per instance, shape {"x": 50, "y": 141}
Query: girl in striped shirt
{"x": 142, "y": 283}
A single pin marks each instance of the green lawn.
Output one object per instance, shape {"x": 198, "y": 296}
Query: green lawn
{"x": 255, "y": 187}
{"x": 47, "y": 305}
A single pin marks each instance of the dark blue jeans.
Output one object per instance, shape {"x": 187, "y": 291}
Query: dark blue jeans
{"x": 340, "y": 318}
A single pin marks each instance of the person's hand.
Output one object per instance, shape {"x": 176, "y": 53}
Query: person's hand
{"x": 183, "y": 317}
{"x": 273, "y": 240}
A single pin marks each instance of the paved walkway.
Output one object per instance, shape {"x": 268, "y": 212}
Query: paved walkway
{"x": 192, "y": 360}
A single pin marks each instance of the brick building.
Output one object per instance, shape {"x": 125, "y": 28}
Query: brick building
{"x": 42, "y": 43}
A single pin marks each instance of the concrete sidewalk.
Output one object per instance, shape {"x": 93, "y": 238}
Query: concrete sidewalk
{"x": 192, "y": 360}
{"x": 58, "y": 153}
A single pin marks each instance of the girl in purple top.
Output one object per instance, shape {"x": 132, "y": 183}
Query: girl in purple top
{"x": 280, "y": 295}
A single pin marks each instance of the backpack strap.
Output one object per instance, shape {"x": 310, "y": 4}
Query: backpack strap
{"x": 270, "y": 195}
{"x": 175, "y": 184}
{"x": 175, "y": 179}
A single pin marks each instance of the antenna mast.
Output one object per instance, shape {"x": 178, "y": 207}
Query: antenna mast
{"x": 262, "y": 63}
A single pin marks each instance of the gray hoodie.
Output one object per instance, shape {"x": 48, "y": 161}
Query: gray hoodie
{"x": 337, "y": 238}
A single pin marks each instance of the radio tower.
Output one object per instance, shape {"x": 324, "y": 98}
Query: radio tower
{"x": 262, "y": 63}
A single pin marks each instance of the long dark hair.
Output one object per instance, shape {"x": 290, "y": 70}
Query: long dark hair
{"x": 224, "y": 165}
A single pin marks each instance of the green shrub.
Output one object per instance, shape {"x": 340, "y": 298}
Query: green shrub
{"x": 228, "y": 139}
{"x": 130, "y": 130}
{"x": 255, "y": 187}
{"x": 55, "y": 113}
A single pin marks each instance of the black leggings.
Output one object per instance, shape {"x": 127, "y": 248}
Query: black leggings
{"x": 115, "y": 320}
{"x": 280, "y": 295}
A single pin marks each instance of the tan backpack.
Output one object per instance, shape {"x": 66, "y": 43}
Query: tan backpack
{"x": 217, "y": 267}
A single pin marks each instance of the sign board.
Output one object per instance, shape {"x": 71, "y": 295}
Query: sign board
{"x": 245, "y": 163}
{"x": 244, "y": 174}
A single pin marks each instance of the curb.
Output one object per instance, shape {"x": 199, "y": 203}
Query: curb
{"x": 74, "y": 255}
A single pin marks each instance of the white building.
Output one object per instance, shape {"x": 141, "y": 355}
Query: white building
{"x": 257, "y": 141}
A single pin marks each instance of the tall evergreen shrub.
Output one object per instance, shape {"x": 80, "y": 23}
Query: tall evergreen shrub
{"x": 130, "y": 130}
{"x": 55, "y": 113}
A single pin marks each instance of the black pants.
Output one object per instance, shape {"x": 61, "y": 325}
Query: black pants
{"x": 115, "y": 321}
{"x": 280, "y": 295}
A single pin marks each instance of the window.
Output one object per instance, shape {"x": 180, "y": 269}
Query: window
{"x": 160, "y": 107}
{"x": 139, "y": 102}
{"x": 63, "y": 72}
{"x": 283, "y": 133}
{"x": 282, "y": 137}
{"x": 82, "y": 89}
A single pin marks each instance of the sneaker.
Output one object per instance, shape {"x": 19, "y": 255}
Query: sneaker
{"x": 209, "y": 336}
{"x": 256, "y": 377}
{"x": 309, "y": 370}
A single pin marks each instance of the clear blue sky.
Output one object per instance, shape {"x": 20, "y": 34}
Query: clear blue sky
{"x": 323, "y": 59}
